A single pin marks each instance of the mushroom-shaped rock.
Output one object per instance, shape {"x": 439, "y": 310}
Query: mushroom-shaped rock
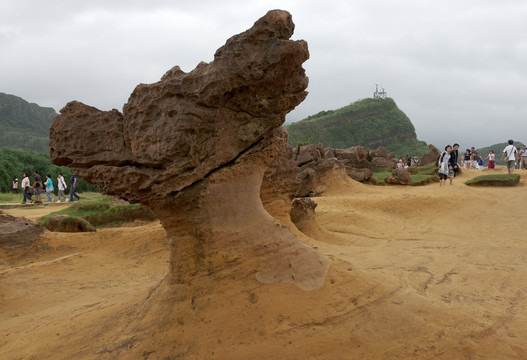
{"x": 194, "y": 147}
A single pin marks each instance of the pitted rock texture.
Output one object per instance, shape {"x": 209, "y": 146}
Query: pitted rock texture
{"x": 302, "y": 211}
{"x": 174, "y": 132}
{"x": 194, "y": 147}
{"x": 280, "y": 180}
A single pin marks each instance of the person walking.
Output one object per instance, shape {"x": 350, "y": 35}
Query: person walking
{"x": 49, "y": 188}
{"x": 454, "y": 156}
{"x": 446, "y": 168}
{"x": 73, "y": 185}
{"x": 25, "y": 188}
{"x": 524, "y": 157}
{"x": 510, "y": 151}
{"x": 15, "y": 186}
{"x": 62, "y": 186}
{"x": 37, "y": 186}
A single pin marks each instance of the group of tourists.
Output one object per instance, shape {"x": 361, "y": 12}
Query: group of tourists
{"x": 39, "y": 186}
{"x": 448, "y": 161}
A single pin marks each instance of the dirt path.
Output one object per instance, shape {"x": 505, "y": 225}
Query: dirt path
{"x": 418, "y": 273}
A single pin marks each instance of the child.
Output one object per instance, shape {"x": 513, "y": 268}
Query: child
{"x": 49, "y": 188}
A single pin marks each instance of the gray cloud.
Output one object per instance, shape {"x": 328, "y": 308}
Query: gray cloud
{"x": 457, "y": 69}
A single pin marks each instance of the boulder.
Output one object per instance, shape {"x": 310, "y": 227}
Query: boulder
{"x": 359, "y": 174}
{"x": 399, "y": 176}
{"x": 308, "y": 183}
{"x": 309, "y": 153}
{"x": 381, "y": 162}
{"x": 430, "y": 156}
{"x": 355, "y": 156}
{"x": 18, "y": 232}
{"x": 194, "y": 148}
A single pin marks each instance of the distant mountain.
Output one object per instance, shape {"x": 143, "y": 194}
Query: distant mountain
{"x": 24, "y": 125}
{"x": 371, "y": 123}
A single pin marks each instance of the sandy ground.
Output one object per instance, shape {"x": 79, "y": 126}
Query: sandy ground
{"x": 418, "y": 273}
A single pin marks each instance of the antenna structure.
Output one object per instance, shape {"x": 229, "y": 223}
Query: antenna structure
{"x": 379, "y": 94}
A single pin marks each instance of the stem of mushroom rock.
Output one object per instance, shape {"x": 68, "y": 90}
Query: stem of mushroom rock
{"x": 219, "y": 223}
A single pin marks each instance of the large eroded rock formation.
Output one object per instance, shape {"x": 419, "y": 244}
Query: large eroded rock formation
{"x": 193, "y": 147}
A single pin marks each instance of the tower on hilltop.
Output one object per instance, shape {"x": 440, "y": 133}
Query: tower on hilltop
{"x": 379, "y": 94}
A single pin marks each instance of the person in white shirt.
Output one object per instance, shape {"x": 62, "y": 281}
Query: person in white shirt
{"x": 25, "y": 188}
{"x": 62, "y": 187}
{"x": 510, "y": 153}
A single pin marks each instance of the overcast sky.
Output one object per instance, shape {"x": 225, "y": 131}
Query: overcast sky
{"x": 456, "y": 68}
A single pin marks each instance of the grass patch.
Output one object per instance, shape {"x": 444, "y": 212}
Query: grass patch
{"x": 429, "y": 169}
{"x": 380, "y": 176}
{"x": 494, "y": 180}
{"x": 100, "y": 211}
{"x": 11, "y": 198}
{"x": 423, "y": 179}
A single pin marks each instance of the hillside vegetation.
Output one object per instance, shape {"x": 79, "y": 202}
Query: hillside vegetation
{"x": 24, "y": 125}
{"x": 14, "y": 162}
{"x": 371, "y": 123}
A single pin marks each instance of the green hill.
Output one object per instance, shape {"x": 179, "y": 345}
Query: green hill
{"x": 24, "y": 125}
{"x": 369, "y": 122}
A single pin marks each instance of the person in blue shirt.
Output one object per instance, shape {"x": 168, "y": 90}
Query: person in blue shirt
{"x": 73, "y": 182}
{"x": 49, "y": 188}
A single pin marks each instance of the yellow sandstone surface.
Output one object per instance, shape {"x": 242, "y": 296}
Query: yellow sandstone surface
{"x": 417, "y": 273}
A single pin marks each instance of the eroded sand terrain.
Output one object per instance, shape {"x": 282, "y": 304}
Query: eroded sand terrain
{"x": 417, "y": 273}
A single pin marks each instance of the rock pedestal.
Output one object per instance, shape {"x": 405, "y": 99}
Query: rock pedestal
{"x": 194, "y": 147}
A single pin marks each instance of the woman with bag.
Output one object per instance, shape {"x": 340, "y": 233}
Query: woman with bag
{"x": 49, "y": 188}
{"x": 446, "y": 169}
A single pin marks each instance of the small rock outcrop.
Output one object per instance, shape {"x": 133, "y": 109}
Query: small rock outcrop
{"x": 302, "y": 211}
{"x": 399, "y": 176}
{"x": 18, "y": 232}
{"x": 430, "y": 156}
{"x": 194, "y": 148}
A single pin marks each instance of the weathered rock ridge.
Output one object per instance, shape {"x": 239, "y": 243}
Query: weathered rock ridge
{"x": 194, "y": 147}
{"x": 315, "y": 161}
